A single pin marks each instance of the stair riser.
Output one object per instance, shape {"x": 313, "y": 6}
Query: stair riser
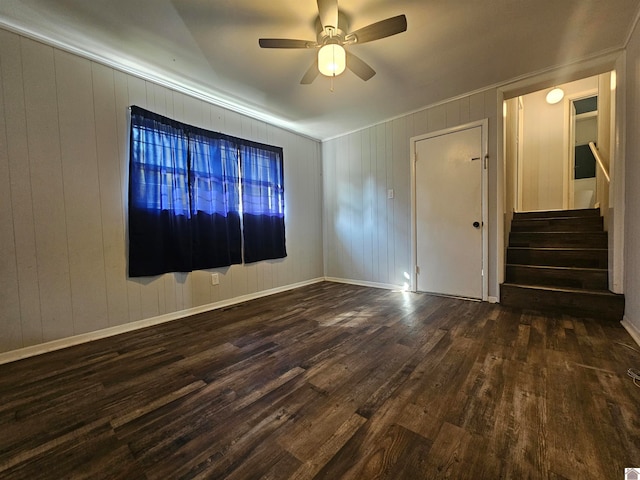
{"x": 558, "y": 258}
{"x": 557, "y": 278}
{"x": 556, "y": 239}
{"x": 558, "y": 225}
{"x": 591, "y": 212}
{"x": 582, "y": 304}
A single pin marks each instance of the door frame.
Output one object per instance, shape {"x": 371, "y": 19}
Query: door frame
{"x": 484, "y": 127}
{"x": 520, "y": 154}
{"x": 569, "y": 138}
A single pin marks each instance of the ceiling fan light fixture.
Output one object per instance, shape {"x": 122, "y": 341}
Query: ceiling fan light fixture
{"x": 332, "y": 59}
{"x": 555, "y": 95}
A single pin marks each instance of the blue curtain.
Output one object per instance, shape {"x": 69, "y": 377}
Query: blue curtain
{"x": 159, "y": 229}
{"x": 183, "y": 197}
{"x": 262, "y": 202}
{"x": 215, "y": 200}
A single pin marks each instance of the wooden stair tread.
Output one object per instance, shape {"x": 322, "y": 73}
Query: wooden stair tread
{"x": 567, "y": 220}
{"x": 564, "y": 289}
{"x": 587, "y": 212}
{"x": 544, "y": 219}
{"x": 578, "y": 302}
{"x": 562, "y": 232}
{"x": 558, "y": 224}
{"x": 577, "y": 256}
{"x": 588, "y": 249}
{"x": 562, "y": 276}
{"x": 592, "y": 239}
{"x": 559, "y": 268}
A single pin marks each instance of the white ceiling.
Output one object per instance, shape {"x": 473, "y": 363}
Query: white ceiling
{"x": 210, "y": 47}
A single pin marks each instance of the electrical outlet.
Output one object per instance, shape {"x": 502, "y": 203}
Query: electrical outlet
{"x": 390, "y": 193}
{"x": 215, "y": 279}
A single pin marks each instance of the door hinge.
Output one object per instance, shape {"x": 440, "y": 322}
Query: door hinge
{"x": 417, "y": 270}
{"x": 485, "y": 161}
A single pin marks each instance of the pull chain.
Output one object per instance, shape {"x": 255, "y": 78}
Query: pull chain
{"x": 333, "y": 51}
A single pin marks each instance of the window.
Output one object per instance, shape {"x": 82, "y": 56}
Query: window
{"x": 186, "y": 211}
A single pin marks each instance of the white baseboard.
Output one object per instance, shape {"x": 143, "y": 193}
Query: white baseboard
{"x": 41, "y": 348}
{"x": 363, "y": 283}
{"x": 632, "y": 329}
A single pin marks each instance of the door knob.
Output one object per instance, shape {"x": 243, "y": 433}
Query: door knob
{"x": 476, "y": 224}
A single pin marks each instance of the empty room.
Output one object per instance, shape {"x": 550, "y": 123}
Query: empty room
{"x": 319, "y": 239}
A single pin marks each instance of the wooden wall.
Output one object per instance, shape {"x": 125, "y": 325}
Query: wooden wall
{"x": 367, "y": 235}
{"x": 63, "y": 197}
{"x": 631, "y": 183}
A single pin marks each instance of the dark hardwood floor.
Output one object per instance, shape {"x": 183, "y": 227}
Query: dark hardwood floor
{"x": 331, "y": 381}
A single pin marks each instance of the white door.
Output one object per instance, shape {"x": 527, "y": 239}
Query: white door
{"x": 449, "y": 211}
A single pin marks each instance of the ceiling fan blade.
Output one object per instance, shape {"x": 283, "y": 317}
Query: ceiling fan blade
{"x": 310, "y": 74}
{"x": 285, "y": 43}
{"x": 328, "y": 10}
{"x": 381, "y": 29}
{"x": 359, "y": 67}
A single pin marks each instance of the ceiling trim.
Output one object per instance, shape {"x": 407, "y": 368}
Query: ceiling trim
{"x": 585, "y": 67}
{"x": 155, "y": 77}
{"x": 633, "y": 27}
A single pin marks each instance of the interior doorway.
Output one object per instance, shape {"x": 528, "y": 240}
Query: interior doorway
{"x": 583, "y": 127}
{"x": 546, "y": 147}
{"x": 533, "y": 187}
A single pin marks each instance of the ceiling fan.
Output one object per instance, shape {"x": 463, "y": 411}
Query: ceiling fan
{"x": 332, "y": 58}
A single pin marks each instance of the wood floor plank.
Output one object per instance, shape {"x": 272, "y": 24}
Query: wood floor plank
{"x": 155, "y": 404}
{"x": 446, "y": 454}
{"x": 331, "y": 381}
{"x": 401, "y": 453}
{"x": 349, "y": 461}
{"x": 401, "y": 375}
{"x": 520, "y": 433}
{"x": 329, "y": 448}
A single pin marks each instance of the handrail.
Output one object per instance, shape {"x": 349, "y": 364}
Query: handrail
{"x": 596, "y": 153}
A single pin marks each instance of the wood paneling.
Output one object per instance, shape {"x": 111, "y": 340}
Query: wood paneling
{"x": 367, "y": 235}
{"x": 629, "y": 168}
{"x": 77, "y": 132}
{"x": 64, "y": 219}
{"x": 330, "y": 381}
{"x": 9, "y": 284}
{"x": 47, "y": 189}
{"x": 111, "y": 199}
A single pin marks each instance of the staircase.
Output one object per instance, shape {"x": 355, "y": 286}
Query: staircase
{"x": 557, "y": 261}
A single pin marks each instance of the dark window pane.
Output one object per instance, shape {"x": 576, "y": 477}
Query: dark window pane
{"x": 585, "y": 166}
{"x": 585, "y": 105}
